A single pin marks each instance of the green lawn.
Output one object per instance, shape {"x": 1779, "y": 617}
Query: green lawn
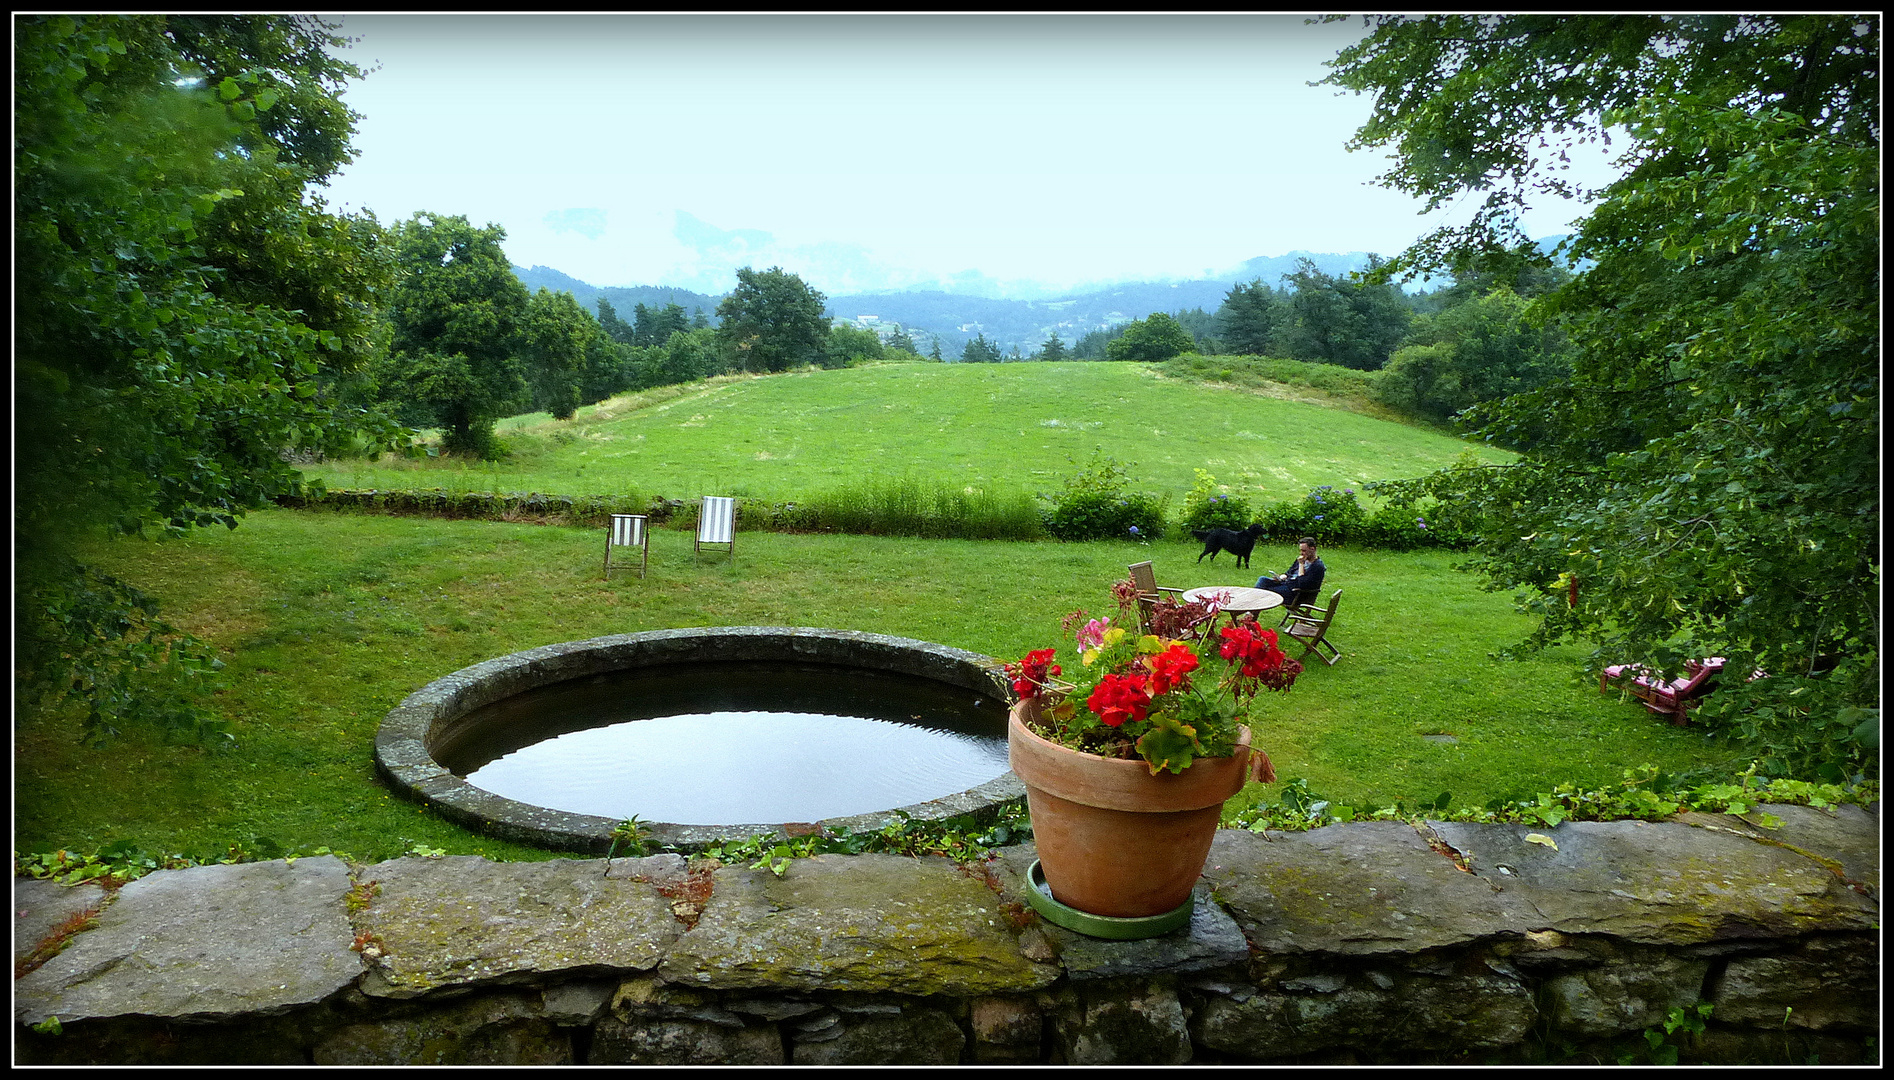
{"x": 328, "y": 620}
{"x": 992, "y": 426}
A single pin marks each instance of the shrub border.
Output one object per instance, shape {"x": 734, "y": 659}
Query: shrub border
{"x": 1284, "y": 521}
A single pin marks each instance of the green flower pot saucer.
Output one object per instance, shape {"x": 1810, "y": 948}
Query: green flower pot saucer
{"x": 1101, "y": 926}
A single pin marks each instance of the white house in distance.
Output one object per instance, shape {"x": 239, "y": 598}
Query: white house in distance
{"x": 885, "y": 330}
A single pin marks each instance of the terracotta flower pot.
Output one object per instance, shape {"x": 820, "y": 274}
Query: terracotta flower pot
{"x": 1113, "y": 839}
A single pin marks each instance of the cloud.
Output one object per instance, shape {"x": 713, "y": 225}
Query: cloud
{"x": 714, "y": 244}
{"x": 586, "y": 221}
{"x": 714, "y": 255}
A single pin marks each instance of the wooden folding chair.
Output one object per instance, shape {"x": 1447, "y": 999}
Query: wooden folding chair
{"x": 1145, "y": 579}
{"x": 1310, "y": 627}
{"x": 1302, "y": 603}
{"x": 629, "y": 531}
{"x": 717, "y": 523}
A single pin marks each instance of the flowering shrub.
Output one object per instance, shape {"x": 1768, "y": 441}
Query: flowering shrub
{"x": 1336, "y": 516}
{"x": 1168, "y": 700}
{"x": 1095, "y": 505}
{"x": 1332, "y": 514}
{"x": 1207, "y": 508}
{"x": 1403, "y": 529}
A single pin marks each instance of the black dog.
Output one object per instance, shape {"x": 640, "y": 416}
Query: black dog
{"x": 1239, "y": 544}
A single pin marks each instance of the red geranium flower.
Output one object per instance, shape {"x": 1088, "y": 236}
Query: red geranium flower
{"x": 1256, "y": 651}
{"x": 1283, "y": 675}
{"x": 1170, "y": 669}
{"x": 1119, "y": 698}
{"x": 1030, "y": 673}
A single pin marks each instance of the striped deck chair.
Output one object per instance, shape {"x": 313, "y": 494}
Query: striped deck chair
{"x": 628, "y": 530}
{"x": 717, "y": 523}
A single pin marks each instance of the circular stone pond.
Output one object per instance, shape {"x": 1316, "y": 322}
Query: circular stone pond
{"x": 705, "y": 734}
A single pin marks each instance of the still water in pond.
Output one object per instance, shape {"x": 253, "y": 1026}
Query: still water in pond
{"x": 732, "y": 744}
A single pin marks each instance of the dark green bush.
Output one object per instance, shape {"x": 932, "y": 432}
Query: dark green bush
{"x": 1095, "y": 505}
{"x": 1397, "y": 529}
{"x": 1220, "y": 512}
{"x": 1102, "y": 516}
{"x": 1207, "y": 508}
{"x": 1336, "y": 516}
{"x": 439, "y": 502}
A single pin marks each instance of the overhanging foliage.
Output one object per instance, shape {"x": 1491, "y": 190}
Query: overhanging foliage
{"x": 184, "y": 317}
{"x": 1705, "y": 482}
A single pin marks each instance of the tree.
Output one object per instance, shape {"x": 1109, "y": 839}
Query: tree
{"x": 901, "y": 339}
{"x": 1054, "y": 349}
{"x": 772, "y": 321}
{"x": 1481, "y": 350}
{"x": 187, "y": 315}
{"x": 688, "y": 356}
{"x": 615, "y": 328}
{"x": 656, "y": 327}
{"x": 933, "y": 351}
{"x": 1706, "y": 479}
{"x": 852, "y": 345}
{"x": 1249, "y": 318}
{"x": 1202, "y": 327}
{"x": 1151, "y": 339}
{"x": 457, "y": 312}
{"x": 980, "y": 351}
{"x": 1092, "y": 344}
{"x": 1354, "y": 322}
{"x": 558, "y": 337}
{"x": 610, "y": 368}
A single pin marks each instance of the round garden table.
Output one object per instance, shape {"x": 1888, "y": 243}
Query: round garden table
{"x": 1243, "y": 599}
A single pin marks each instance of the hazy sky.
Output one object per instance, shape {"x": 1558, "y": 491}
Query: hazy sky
{"x": 873, "y": 152}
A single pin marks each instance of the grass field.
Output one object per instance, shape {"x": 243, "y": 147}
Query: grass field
{"x": 328, "y": 620}
{"x": 990, "y": 426}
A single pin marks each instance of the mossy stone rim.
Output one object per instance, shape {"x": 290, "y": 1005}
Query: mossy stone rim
{"x": 404, "y": 759}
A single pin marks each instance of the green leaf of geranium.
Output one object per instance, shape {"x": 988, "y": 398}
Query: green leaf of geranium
{"x": 1169, "y": 745}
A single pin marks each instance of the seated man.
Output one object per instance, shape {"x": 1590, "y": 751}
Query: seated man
{"x": 1302, "y": 582}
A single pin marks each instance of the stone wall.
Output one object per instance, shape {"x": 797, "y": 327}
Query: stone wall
{"x": 1369, "y": 942}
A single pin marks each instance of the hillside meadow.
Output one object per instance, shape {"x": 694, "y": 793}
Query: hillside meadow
{"x": 327, "y": 620}
{"x": 997, "y": 427}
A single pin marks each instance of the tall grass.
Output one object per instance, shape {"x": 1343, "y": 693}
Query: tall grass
{"x": 910, "y": 506}
{"x": 1258, "y": 369}
{"x": 1331, "y": 384}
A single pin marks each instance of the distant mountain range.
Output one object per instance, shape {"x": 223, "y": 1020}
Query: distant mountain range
{"x": 623, "y": 298}
{"x": 956, "y": 319}
{"x": 953, "y": 319}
